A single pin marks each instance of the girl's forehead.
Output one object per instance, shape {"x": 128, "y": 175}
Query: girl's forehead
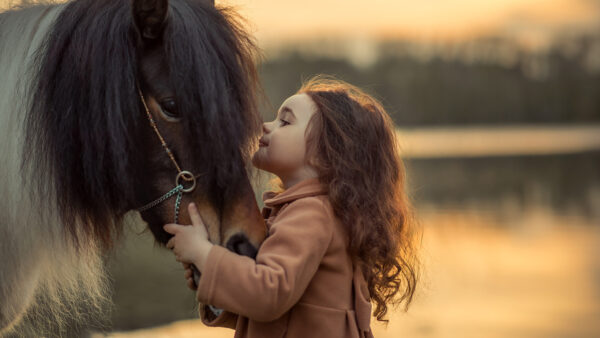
{"x": 300, "y": 106}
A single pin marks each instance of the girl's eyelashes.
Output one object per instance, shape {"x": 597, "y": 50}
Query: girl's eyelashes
{"x": 283, "y": 122}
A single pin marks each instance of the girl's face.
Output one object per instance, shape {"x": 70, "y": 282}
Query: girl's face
{"x": 282, "y": 148}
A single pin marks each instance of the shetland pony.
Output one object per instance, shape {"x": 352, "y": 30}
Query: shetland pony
{"x": 111, "y": 106}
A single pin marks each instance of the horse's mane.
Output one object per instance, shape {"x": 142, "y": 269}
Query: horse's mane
{"x": 82, "y": 127}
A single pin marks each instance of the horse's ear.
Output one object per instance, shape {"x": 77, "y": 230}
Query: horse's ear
{"x": 150, "y": 17}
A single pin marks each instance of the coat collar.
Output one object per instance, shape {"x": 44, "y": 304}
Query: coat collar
{"x": 305, "y": 188}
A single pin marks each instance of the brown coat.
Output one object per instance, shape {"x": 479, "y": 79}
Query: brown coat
{"x": 302, "y": 283}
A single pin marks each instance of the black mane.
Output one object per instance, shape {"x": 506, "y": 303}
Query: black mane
{"x": 83, "y": 124}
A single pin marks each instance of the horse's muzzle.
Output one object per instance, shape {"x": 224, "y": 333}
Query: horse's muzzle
{"x": 240, "y": 244}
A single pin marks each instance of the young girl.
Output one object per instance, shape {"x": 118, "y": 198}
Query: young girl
{"x": 339, "y": 235}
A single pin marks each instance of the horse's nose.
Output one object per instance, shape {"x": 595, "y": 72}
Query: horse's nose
{"x": 240, "y": 244}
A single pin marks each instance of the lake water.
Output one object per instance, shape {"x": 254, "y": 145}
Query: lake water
{"x": 532, "y": 276}
{"x": 515, "y": 140}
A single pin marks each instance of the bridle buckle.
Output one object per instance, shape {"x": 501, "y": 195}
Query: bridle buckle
{"x": 186, "y": 176}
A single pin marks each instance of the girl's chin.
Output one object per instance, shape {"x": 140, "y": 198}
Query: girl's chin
{"x": 257, "y": 161}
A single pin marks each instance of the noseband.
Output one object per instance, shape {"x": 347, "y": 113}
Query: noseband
{"x": 182, "y": 175}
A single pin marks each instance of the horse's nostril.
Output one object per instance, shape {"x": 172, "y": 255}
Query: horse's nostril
{"x": 240, "y": 244}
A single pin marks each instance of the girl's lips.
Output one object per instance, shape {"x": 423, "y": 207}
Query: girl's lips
{"x": 262, "y": 143}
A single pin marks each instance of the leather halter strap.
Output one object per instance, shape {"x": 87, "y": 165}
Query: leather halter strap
{"x": 182, "y": 175}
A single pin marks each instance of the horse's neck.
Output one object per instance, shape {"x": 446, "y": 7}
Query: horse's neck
{"x": 21, "y": 33}
{"x": 37, "y": 260}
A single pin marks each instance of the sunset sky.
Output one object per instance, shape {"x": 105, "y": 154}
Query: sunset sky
{"x": 276, "y": 21}
{"x": 437, "y": 20}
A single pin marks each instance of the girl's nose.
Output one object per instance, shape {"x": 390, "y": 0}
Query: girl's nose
{"x": 265, "y": 128}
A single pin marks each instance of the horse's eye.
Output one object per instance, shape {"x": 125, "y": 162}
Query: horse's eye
{"x": 169, "y": 108}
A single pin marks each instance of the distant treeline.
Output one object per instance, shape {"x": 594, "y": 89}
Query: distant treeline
{"x": 490, "y": 81}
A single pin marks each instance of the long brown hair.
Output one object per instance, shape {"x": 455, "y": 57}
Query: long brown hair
{"x": 351, "y": 143}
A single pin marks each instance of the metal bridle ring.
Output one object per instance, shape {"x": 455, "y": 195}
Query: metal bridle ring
{"x": 187, "y": 176}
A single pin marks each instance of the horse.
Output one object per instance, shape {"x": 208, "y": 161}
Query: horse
{"x": 113, "y": 107}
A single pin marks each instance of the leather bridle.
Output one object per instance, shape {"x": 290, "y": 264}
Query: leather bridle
{"x": 182, "y": 175}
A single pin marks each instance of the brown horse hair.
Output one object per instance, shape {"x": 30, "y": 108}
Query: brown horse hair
{"x": 351, "y": 143}
{"x": 83, "y": 127}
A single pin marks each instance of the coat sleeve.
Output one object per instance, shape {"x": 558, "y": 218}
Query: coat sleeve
{"x": 263, "y": 290}
{"x": 225, "y": 319}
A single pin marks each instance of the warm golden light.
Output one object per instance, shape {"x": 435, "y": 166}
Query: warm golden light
{"x": 277, "y": 20}
{"x": 498, "y": 125}
{"x": 483, "y": 278}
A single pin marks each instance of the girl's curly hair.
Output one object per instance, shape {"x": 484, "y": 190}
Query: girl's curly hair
{"x": 351, "y": 143}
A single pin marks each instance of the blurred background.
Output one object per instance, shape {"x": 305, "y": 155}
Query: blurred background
{"x": 497, "y": 105}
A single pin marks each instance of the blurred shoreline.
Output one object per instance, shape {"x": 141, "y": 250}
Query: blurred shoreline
{"x": 498, "y": 140}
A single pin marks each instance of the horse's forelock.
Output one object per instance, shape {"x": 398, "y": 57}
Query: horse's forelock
{"x": 212, "y": 64}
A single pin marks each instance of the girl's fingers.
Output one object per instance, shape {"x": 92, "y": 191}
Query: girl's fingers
{"x": 171, "y": 243}
{"x": 171, "y": 228}
{"x": 191, "y": 284}
{"x": 194, "y": 215}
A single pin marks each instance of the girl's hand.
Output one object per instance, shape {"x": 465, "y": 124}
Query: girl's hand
{"x": 189, "y": 277}
{"x": 189, "y": 242}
